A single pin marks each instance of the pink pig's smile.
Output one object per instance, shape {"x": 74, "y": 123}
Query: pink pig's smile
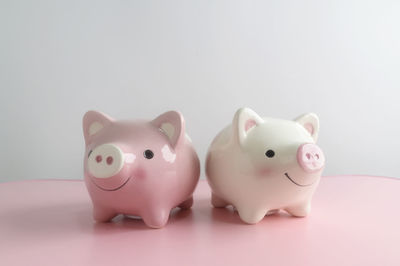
{"x": 297, "y": 184}
{"x": 112, "y": 189}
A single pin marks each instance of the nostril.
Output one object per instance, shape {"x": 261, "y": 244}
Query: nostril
{"x": 317, "y": 156}
{"x": 308, "y": 155}
{"x": 99, "y": 158}
{"x": 109, "y": 160}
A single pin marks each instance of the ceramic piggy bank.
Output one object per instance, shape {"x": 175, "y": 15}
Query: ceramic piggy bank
{"x": 142, "y": 168}
{"x": 261, "y": 165}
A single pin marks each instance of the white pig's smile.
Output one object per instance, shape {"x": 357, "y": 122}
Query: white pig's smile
{"x": 297, "y": 184}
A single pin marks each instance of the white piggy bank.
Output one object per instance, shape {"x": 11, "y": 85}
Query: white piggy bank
{"x": 260, "y": 165}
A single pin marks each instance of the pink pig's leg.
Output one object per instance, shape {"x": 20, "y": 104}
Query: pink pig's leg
{"x": 187, "y": 204}
{"x": 218, "y": 202}
{"x": 299, "y": 210}
{"x": 103, "y": 215}
{"x": 271, "y": 212}
{"x": 156, "y": 217}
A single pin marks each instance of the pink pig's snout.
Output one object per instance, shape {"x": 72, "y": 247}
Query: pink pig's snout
{"x": 310, "y": 157}
{"x": 105, "y": 161}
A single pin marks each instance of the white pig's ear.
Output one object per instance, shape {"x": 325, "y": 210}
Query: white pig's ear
{"x": 310, "y": 122}
{"x": 172, "y": 125}
{"x": 93, "y": 122}
{"x": 244, "y": 120}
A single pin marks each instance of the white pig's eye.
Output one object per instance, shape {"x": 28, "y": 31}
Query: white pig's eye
{"x": 270, "y": 153}
{"x": 105, "y": 161}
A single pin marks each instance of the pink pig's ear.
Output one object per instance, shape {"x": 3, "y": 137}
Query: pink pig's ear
{"x": 172, "y": 125}
{"x": 93, "y": 122}
{"x": 310, "y": 122}
{"x": 244, "y": 120}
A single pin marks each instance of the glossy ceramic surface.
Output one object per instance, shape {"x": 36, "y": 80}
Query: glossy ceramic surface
{"x": 49, "y": 222}
{"x": 260, "y": 165}
{"x": 142, "y": 168}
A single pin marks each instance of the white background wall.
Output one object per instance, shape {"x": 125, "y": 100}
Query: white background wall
{"x": 137, "y": 59}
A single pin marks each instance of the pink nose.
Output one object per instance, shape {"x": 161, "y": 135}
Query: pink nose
{"x": 310, "y": 157}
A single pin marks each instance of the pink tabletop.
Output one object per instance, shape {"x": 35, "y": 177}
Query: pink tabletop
{"x": 355, "y": 221}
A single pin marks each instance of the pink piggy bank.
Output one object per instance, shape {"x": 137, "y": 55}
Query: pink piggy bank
{"x": 260, "y": 165}
{"x": 143, "y": 168}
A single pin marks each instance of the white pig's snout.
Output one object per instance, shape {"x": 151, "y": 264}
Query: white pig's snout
{"x": 310, "y": 157}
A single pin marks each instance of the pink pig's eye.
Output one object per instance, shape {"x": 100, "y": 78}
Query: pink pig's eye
{"x": 148, "y": 154}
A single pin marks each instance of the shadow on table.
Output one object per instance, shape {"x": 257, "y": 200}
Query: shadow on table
{"x": 230, "y": 215}
{"x": 122, "y": 223}
{"x": 70, "y": 220}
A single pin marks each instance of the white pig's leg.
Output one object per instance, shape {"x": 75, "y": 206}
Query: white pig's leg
{"x": 218, "y": 202}
{"x": 101, "y": 214}
{"x": 251, "y": 215}
{"x": 187, "y": 204}
{"x": 299, "y": 210}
